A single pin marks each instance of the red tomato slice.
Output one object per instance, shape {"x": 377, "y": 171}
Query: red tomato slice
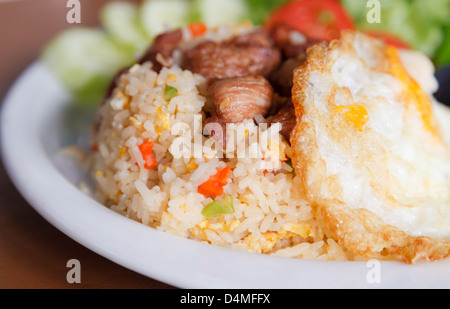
{"x": 317, "y": 19}
{"x": 388, "y": 38}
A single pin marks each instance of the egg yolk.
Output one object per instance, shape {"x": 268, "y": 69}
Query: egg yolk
{"x": 356, "y": 114}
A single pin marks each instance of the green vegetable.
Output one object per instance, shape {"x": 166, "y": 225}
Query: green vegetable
{"x": 417, "y": 22}
{"x": 169, "y": 93}
{"x": 289, "y": 162}
{"x": 157, "y": 15}
{"x": 442, "y": 57}
{"x": 84, "y": 60}
{"x": 218, "y": 12}
{"x": 218, "y": 208}
{"x": 430, "y": 19}
{"x": 435, "y": 11}
{"x": 356, "y": 8}
{"x": 259, "y": 10}
{"x": 121, "y": 22}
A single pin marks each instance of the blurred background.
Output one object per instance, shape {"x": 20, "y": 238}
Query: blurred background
{"x": 110, "y": 35}
{"x": 27, "y": 25}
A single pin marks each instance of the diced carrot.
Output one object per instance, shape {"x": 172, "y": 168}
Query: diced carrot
{"x": 197, "y": 29}
{"x": 147, "y": 154}
{"x": 211, "y": 189}
{"x": 222, "y": 175}
{"x": 214, "y": 185}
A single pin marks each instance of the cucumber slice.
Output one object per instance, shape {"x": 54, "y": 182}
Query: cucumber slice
{"x": 85, "y": 60}
{"x": 217, "y": 12}
{"x": 156, "y": 16}
{"x": 121, "y": 22}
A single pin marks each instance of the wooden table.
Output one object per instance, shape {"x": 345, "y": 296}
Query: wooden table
{"x": 34, "y": 254}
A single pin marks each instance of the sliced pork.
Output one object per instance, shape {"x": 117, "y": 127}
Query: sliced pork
{"x": 248, "y": 54}
{"x": 240, "y": 98}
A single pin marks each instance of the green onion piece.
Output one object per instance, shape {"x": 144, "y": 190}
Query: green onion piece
{"x": 170, "y": 93}
{"x": 218, "y": 208}
{"x": 289, "y": 162}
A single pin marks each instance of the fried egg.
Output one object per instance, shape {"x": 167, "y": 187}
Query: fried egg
{"x": 372, "y": 152}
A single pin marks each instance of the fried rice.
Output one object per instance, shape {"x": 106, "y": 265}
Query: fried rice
{"x": 269, "y": 216}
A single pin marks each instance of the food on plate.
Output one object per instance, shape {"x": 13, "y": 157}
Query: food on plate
{"x": 347, "y": 160}
{"x": 370, "y": 150}
{"x": 190, "y": 146}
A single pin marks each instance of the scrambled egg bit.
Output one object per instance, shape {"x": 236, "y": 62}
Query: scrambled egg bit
{"x": 262, "y": 243}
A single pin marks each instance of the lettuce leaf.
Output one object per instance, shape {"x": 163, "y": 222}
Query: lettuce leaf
{"x": 259, "y": 10}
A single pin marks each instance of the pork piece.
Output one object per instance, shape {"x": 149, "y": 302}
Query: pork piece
{"x": 291, "y": 42}
{"x": 113, "y": 83}
{"x": 257, "y": 38}
{"x": 293, "y": 45}
{"x": 282, "y": 78}
{"x": 160, "y": 52}
{"x": 248, "y": 54}
{"x": 286, "y": 117}
{"x": 240, "y": 98}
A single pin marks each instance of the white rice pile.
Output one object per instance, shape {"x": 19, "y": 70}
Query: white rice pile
{"x": 269, "y": 215}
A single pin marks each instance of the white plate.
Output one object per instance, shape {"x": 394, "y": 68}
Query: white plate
{"x": 37, "y": 120}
